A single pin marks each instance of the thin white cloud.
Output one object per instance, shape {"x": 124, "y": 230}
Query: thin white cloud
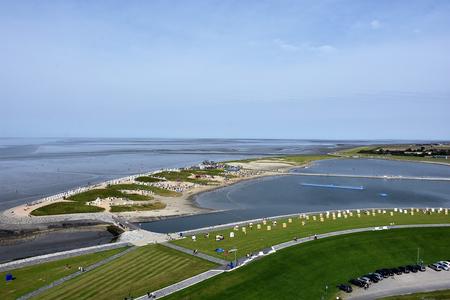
{"x": 321, "y": 49}
{"x": 286, "y": 46}
{"x": 375, "y": 24}
{"x": 325, "y": 49}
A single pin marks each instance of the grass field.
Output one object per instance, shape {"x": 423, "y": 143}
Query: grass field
{"x": 145, "y": 269}
{"x": 437, "y": 295}
{"x": 303, "y": 271}
{"x": 158, "y": 191}
{"x": 141, "y": 207}
{"x": 60, "y": 208}
{"x": 111, "y": 191}
{"x": 184, "y": 175}
{"x": 31, "y": 278}
{"x": 148, "y": 179}
{"x": 255, "y": 240}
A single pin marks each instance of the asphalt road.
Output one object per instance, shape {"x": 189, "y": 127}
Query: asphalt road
{"x": 403, "y": 284}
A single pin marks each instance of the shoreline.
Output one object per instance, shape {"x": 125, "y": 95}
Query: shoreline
{"x": 184, "y": 205}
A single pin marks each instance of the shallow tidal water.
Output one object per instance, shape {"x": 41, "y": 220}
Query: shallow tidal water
{"x": 271, "y": 196}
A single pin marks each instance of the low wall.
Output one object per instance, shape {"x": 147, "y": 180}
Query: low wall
{"x": 59, "y": 255}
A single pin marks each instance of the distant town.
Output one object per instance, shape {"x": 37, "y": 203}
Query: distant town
{"x": 419, "y": 150}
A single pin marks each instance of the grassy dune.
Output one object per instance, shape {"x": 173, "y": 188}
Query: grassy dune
{"x": 60, "y": 208}
{"x": 145, "y": 269}
{"x": 111, "y": 191}
{"x": 158, "y": 191}
{"x": 31, "y": 278}
{"x": 303, "y": 271}
{"x": 141, "y": 207}
{"x": 255, "y": 240}
{"x": 186, "y": 175}
{"x": 148, "y": 179}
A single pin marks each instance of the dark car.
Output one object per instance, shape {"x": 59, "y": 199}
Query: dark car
{"x": 396, "y": 271}
{"x": 345, "y": 287}
{"x": 373, "y": 278}
{"x": 383, "y": 272}
{"x": 421, "y": 268}
{"x": 412, "y": 268}
{"x": 403, "y": 269}
{"x": 357, "y": 282}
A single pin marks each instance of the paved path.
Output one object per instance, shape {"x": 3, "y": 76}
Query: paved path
{"x": 403, "y": 284}
{"x": 199, "y": 254}
{"x": 76, "y": 274}
{"x": 183, "y": 284}
{"x": 201, "y": 277}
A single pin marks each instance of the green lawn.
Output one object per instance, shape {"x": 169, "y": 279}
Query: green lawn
{"x": 183, "y": 175}
{"x": 148, "y": 179}
{"x": 145, "y": 269}
{"x": 142, "y": 207}
{"x": 255, "y": 239}
{"x": 303, "y": 271}
{"x": 60, "y": 208}
{"x": 31, "y": 278}
{"x": 154, "y": 189}
{"x": 110, "y": 191}
{"x": 437, "y": 295}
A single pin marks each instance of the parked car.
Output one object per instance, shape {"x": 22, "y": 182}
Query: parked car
{"x": 435, "y": 267}
{"x": 385, "y": 272}
{"x": 443, "y": 266}
{"x": 364, "y": 279}
{"x": 412, "y": 268}
{"x": 444, "y": 263}
{"x": 421, "y": 268}
{"x": 396, "y": 271}
{"x": 379, "y": 276}
{"x": 357, "y": 282}
{"x": 404, "y": 270}
{"x": 345, "y": 287}
{"x": 372, "y": 277}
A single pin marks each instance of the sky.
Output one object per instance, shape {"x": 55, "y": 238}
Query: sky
{"x": 227, "y": 69}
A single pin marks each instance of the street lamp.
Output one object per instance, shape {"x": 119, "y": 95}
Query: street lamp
{"x": 235, "y": 255}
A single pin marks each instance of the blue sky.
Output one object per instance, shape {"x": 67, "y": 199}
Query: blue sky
{"x": 269, "y": 69}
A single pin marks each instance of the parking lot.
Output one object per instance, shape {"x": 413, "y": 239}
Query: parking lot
{"x": 403, "y": 284}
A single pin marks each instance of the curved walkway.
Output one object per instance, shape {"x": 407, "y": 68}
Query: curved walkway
{"x": 242, "y": 261}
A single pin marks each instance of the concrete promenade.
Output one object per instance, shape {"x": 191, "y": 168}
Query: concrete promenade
{"x": 182, "y": 284}
{"x": 199, "y": 254}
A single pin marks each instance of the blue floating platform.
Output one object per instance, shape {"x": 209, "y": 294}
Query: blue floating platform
{"x": 333, "y": 186}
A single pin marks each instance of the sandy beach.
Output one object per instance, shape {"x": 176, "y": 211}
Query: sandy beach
{"x": 174, "y": 206}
